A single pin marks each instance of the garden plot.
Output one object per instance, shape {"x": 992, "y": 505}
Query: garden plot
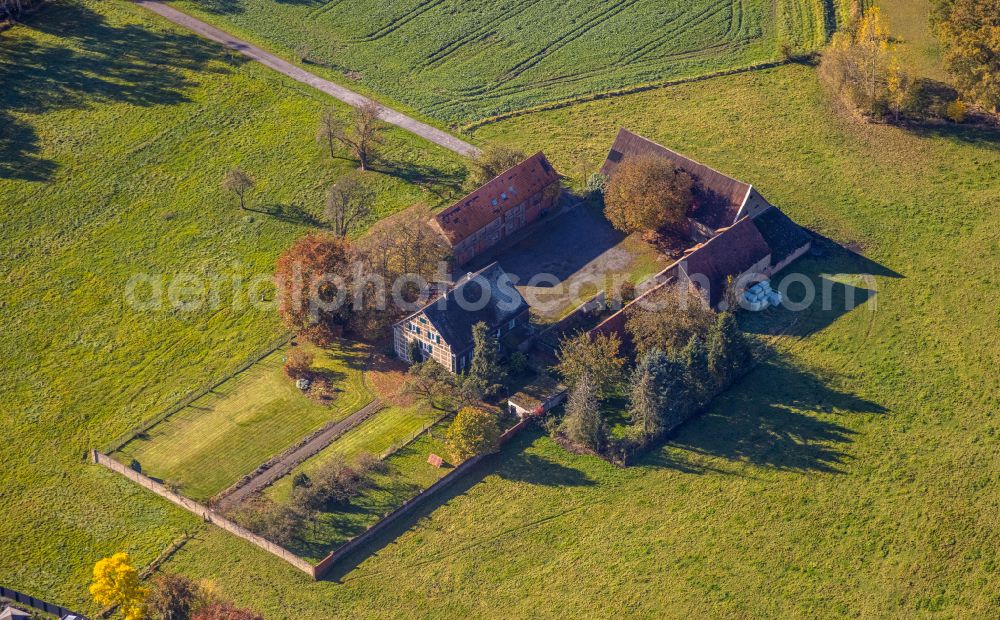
{"x": 226, "y": 433}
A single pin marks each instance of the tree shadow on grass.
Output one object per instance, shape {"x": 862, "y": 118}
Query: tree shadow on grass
{"x": 442, "y": 182}
{"x": 91, "y": 62}
{"x": 235, "y": 7}
{"x": 289, "y": 213}
{"x": 779, "y": 417}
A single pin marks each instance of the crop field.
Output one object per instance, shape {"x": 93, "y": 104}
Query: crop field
{"x": 228, "y": 432}
{"x": 457, "y": 60}
{"x": 407, "y": 473}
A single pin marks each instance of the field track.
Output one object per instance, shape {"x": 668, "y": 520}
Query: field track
{"x": 301, "y": 75}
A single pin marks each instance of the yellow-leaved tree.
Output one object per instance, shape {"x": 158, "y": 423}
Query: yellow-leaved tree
{"x": 116, "y": 583}
{"x": 474, "y": 431}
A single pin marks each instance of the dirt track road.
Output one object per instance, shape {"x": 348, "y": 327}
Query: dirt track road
{"x": 298, "y": 74}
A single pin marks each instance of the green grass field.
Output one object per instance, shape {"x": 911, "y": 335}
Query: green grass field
{"x": 853, "y": 475}
{"x": 116, "y": 129}
{"x": 224, "y": 435}
{"x": 458, "y": 61}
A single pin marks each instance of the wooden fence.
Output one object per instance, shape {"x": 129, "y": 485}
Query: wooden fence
{"x": 145, "y": 425}
{"x": 37, "y": 603}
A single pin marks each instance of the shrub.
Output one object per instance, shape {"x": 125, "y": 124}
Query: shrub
{"x": 473, "y": 432}
{"x": 298, "y": 364}
{"x": 597, "y": 183}
{"x": 957, "y": 111}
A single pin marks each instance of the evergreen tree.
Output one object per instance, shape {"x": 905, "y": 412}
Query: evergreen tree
{"x": 584, "y": 424}
{"x": 486, "y": 373}
{"x": 728, "y": 350}
{"x": 649, "y": 400}
{"x": 700, "y": 380}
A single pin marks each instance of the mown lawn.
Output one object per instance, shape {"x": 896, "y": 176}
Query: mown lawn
{"x": 458, "y": 61}
{"x": 116, "y": 129}
{"x": 225, "y": 434}
{"x": 377, "y": 435}
{"x": 853, "y": 474}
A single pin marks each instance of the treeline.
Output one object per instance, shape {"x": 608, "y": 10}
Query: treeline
{"x": 970, "y": 33}
{"x": 686, "y": 355}
{"x": 866, "y": 74}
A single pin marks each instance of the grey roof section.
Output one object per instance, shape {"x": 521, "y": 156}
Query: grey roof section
{"x": 782, "y": 235}
{"x": 486, "y": 296}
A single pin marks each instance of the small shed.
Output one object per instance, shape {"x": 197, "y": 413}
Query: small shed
{"x": 538, "y": 397}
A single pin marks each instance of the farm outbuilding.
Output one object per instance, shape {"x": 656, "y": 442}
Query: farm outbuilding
{"x": 509, "y": 202}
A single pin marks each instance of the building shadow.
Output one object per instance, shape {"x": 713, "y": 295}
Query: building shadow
{"x": 89, "y": 62}
{"x": 818, "y": 289}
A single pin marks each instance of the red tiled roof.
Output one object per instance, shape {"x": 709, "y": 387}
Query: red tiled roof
{"x": 498, "y": 196}
{"x": 718, "y": 197}
{"x": 729, "y": 253}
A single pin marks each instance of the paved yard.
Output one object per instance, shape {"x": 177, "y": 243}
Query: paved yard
{"x": 568, "y": 259}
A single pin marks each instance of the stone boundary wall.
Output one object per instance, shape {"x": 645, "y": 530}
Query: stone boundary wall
{"x": 324, "y": 565}
{"x": 209, "y": 515}
{"x": 329, "y": 561}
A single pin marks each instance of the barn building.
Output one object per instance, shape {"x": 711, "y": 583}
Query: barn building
{"x": 509, "y": 202}
{"x": 442, "y": 330}
{"x": 719, "y": 200}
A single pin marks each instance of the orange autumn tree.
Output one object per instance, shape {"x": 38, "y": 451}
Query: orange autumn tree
{"x": 646, "y": 194}
{"x": 313, "y": 282}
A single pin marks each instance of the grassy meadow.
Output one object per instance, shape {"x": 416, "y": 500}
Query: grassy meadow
{"x": 459, "y": 61}
{"x": 230, "y": 431}
{"x": 115, "y": 130}
{"x": 851, "y": 475}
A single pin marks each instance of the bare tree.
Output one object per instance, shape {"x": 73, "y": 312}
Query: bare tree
{"x": 239, "y": 183}
{"x": 348, "y": 203}
{"x": 361, "y": 137}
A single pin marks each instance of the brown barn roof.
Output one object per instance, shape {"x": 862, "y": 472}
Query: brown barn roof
{"x": 782, "y": 235}
{"x": 498, "y": 196}
{"x": 729, "y": 253}
{"x": 718, "y": 197}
